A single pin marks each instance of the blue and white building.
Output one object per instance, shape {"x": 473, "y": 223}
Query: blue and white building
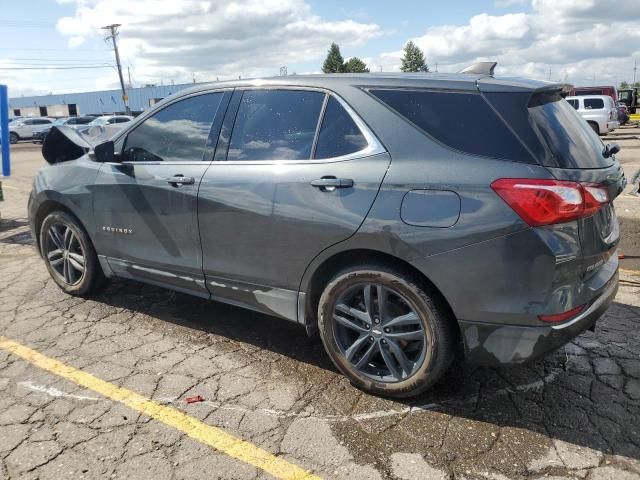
{"x": 90, "y": 103}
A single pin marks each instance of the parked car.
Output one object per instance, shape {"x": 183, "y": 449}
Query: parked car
{"x": 398, "y": 215}
{"x": 73, "y": 122}
{"x": 609, "y": 90}
{"x": 114, "y": 122}
{"x": 24, "y": 128}
{"x": 599, "y": 111}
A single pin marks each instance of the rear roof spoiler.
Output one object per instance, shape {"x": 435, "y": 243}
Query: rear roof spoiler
{"x": 480, "y": 68}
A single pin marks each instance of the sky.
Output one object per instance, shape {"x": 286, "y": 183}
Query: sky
{"x": 58, "y": 46}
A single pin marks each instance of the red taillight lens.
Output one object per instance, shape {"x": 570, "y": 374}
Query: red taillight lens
{"x": 561, "y": 317}
{"x": 545, "y": 202}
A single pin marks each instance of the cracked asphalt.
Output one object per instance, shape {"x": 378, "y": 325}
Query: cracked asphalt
{"x": 575, "y": 414}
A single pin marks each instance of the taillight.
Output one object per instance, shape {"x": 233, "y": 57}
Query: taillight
{"x": 546, "y": 202}
{"x": 561, "y": 317}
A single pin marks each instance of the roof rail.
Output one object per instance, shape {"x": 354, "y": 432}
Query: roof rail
{"x": 481, "y": 68}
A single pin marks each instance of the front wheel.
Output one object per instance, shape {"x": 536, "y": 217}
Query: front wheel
{"x": 384, "y": 331}
{"x": 13, "y": 138}
{"x": 69, "y": 254}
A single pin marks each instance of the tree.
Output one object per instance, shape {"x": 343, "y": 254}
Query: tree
{"x": 355, "y": 65}
{"x": 334, "y": 63}
{"x": 623, "y": 86}
{"x": 413, "y": 59}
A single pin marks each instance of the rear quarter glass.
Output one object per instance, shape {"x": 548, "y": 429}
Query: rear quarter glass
{"x": 463, "y": 121}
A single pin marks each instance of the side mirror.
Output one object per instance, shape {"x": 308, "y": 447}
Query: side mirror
{"x": 104, "y": 152}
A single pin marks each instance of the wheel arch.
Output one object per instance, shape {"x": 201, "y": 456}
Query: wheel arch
{"x": 333, "y": 264}
{"x": 45, "y": 208}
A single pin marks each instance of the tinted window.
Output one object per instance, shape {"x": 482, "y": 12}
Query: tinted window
{"x": 593, "y": 103}
{"x": 339, "y": 135}
{"x": 463, "y": 121}
{"x": 178, "y": 132}
{"x": 574, "y": 103}
{"x": 121, "y": 120}
{"x": 275, "y": 125}
{"x": 573, "y": 143}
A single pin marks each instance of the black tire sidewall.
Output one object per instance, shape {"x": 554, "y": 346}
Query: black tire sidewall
{"x": 439, "y": 352}
{"x": 14, "y": 138}
{"x": 92, "y": 267}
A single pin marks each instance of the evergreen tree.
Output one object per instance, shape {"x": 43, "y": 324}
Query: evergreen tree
{"x": 334, "y": 63}
{"x": 623, "y": 86}
{"x": 413, "y": 59}
{"x": 355, "y": 65}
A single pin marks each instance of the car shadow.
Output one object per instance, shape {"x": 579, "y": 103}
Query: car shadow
{"x": 580, "y": 394}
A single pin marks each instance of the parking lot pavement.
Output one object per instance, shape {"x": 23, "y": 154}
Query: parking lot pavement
{"x": 574, "y": 415}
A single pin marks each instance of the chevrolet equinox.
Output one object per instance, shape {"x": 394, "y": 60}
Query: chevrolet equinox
{"x": 399, "y": 215}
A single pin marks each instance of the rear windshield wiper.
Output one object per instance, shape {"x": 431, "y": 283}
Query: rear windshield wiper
{"x": 610, "y": 149}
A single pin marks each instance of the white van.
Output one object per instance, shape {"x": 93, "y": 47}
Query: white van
{"x": 599, "y": 111}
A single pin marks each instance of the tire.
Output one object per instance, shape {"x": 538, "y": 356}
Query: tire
{"x": 428, "y": 358}
{"x": 13, "y": 138}
{"x": 594, "y": 127}
{"x": 63, "y": 243}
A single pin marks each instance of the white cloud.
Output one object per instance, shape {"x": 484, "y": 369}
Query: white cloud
{"x": 215, "y": 38}
{"x": 575, "y": 39}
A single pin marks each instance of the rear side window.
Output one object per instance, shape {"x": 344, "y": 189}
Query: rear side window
{"x": 574, "y": 103}
{"x": 593, "y": 104}
{"x": 275, "y": 125}
{"x": 339, "y": 134}
{"x": 178, "y": 132}
{"x": 462, "y": 121}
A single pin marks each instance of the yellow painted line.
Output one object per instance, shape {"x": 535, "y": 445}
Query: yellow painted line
{"x": 633, "y": 272}
{"x": 194, "y": 428}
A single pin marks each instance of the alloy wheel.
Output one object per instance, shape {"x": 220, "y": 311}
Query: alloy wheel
{"x": 379, "y": 332}
{"x": 64, "y": 253}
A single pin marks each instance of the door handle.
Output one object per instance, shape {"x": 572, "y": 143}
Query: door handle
{"x": 329, "y": 184}
{"x": 180, "y": 180}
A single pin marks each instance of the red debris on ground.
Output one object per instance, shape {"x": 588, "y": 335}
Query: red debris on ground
{"x": 194, "y": 399}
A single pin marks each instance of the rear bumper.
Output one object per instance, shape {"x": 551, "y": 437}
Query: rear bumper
{"x": 493, "y": 344}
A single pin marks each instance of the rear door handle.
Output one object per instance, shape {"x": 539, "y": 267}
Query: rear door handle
{"x": 329, "y": 184}
{"x": 180, "y": 180}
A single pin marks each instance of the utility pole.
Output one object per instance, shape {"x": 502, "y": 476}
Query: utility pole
{"x": 113, "y": 29}
{"x": 635, "y": 69}
{"x": 129, "y": 74}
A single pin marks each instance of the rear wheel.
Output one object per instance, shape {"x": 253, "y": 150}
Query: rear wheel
{"x": 595, "y": 127}
{"x": 384, "y": 331}
{"x": 69, "y": 255}
{"x": 13, "y": 137}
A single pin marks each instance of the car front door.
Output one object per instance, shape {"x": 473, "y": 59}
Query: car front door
{"x": 297, "y": 174}
{"x": 145, "y": 206}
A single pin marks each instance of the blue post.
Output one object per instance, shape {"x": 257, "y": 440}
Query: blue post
{"x": 4, "y": 130}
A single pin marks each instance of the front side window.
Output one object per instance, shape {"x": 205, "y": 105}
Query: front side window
{"x": 339, "y": 134}
{"x": 275, "y": 125}
{"x": 593, "y": 104}
{"x": 574, "y": 103}
{"x": 178, "y": 132}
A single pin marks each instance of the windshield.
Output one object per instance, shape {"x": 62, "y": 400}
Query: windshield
{"x": 98, "y": 121}
{"x": 573, "y": 143}
{"x": 60, "y": 121}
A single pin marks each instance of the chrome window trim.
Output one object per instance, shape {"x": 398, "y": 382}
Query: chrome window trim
{"x": 374, "y": 146}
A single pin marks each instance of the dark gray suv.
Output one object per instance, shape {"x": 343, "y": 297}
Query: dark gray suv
{"x": 399, "y": 215}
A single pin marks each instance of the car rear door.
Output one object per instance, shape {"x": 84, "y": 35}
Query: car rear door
{"x": 297, "y": 174}
{"x": 145, "y": 206}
